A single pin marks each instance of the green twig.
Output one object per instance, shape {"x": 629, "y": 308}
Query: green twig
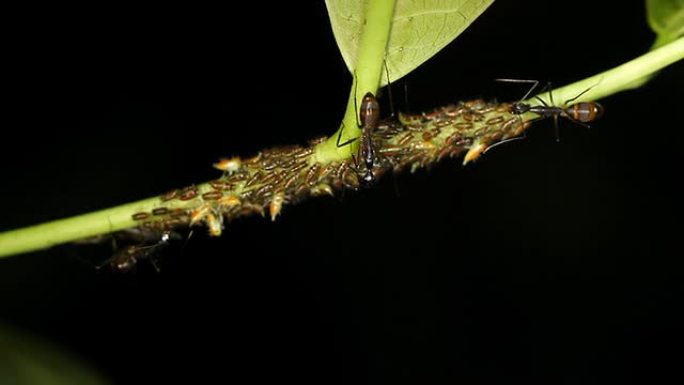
{"x": 371, "y": 55}
{"x": 619, "y": 78}
{"x": 117, "y": 218}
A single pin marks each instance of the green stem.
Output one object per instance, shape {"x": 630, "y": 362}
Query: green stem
{"x": 117, "y": 218}
{"x": 66, "y": 230}
{"x": 619, "y": 78}
{"x": 371, "y": 55}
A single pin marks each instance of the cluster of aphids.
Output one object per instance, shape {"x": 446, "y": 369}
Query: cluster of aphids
{"x": 285, "y": 175}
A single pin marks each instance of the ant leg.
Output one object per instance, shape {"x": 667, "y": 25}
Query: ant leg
{"x": 502, "y": 142}
{"x": 534, "y": 83}
{"x": 557, "y": 128}
{"x": 115, "y": 251}
{"x": 389, "y": 90}
{"x": 154, "y": 261}
{"x": 356, "y": 114}
{"x": 570, "y": 118}
{"x": 546, "y": 87}
{"x": 339, "y": 136}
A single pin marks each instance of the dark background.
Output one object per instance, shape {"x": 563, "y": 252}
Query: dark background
{"x": 543, "y": 262}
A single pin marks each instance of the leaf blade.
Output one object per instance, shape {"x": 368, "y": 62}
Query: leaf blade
{"x": 420, "y": 29}
{"x": 666, "y": 19}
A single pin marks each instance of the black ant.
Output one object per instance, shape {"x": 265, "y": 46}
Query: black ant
{"x": 579, "y": 113}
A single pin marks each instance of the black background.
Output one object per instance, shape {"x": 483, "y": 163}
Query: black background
{"x": 543, "y": 262}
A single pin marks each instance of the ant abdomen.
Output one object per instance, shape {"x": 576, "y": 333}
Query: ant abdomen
{"x": 585, "y": 112}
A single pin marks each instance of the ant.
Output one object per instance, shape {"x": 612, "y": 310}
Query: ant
{"x": 580, "y": 113}
{"x": 369, "y": 113}
{"x": 126, "y": 258}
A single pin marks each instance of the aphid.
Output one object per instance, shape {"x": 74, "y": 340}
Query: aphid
{"x": 178, "y": 213}
{"x": 257, "y": 175}
{"x": 474, "y": 152}
{"x": 169, "y": 195}
{"x": 140, "y": 216}
{"x": 160, "y": 211}
{"x": 289, "y": 181}
{"x": 228, "y": 165}
{"x": 405, "y": 139}
{"x": 188, "y": 193}
{"x": 298, "y": 167}
{"x": 495, "y": 120}
{"x": 269, "y": 164}
{"x": 322, "y": 189}
{"x": 303, "y": 152}
{"x": 229, "y": 201}
{"x": 265, "y": 191}
{"x": 276, "y": 205}
{"x": 287, "y": 162}
{"x": 579, "y": 113}
{"x": 197, "y": 215}
{"x": 206, "y": 214}
{"x": 214, "y": 224}
{"x": 212, "y": 195}
{"x": 311, "y": 173}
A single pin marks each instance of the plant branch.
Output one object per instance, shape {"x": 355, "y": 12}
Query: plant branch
{"x": 371, "y": 55}
{"x": 312, "y": 176}
{"x": 620, "y": 78}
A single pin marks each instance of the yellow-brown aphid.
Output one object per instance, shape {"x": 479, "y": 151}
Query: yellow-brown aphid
{"x": 229, "y": 165}
{"x": 215, "y": 224}
{"x": 197, "y": 215}
{"x": 229, "y": 201}
{"x": 321, "y": 189}
{"x": 276, "y": 205}
{"x": 207, "y": 215}
{"x": 474, "y": 152}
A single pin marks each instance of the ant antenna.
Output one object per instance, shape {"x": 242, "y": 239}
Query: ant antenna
{"x": 502, "y": 142}
{"x": 389, "y": 90}
{"x": 534, "y": 83}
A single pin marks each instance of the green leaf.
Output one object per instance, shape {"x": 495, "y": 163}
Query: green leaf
{"x": 419, "y": 30}
{"x": 666, "y": 18}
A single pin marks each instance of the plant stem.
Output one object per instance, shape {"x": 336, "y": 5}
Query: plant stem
{"x": 117, "y": 218}
{"x": 619, "y": 78}
{"x": 66, "y": 230}
{"x": 371, "y": 55}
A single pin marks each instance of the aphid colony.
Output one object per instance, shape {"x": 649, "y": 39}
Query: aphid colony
{"x": 273, "y": 178}
{"x": 263, "y": 184}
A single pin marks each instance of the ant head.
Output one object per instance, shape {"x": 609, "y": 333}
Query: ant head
{"x": 519, "y": 108}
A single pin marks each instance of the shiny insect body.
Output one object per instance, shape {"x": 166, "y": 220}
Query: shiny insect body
{"x": 369, "y": 115}
{"x": 125, "y": 259}
{"x": 580, "y": 113}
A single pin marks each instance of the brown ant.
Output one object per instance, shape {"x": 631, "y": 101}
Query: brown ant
{"x": 125, "y": 259}
{"x": 369, "y": 114}
{"x": 580, "y": 113}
